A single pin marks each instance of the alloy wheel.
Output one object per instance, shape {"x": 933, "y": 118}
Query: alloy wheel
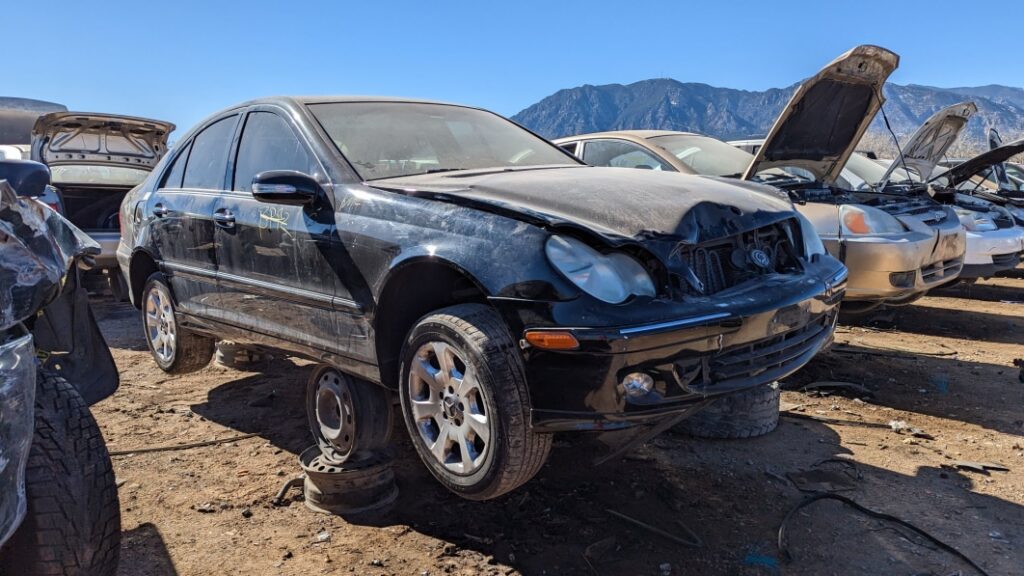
{"x": 448, "y": 407}
{"x": 161, "y": 329}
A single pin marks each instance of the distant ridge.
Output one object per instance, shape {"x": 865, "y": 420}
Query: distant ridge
{"x": 728, "y": 113}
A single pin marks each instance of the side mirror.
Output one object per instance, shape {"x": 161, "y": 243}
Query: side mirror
{"x": 285, "y": 187}
{"x": 28, "y": 178}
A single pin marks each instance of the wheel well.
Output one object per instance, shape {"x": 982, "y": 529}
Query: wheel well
{"x": 141, "y": 267}
{"x": 411, "y": 293}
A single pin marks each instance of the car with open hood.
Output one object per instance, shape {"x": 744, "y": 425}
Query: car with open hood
{"x": 995, "y": 241}
{"x": 989, "y": 176}
{"x": 502, "y": 289}
{"x": 896, "y": 246}
{"x": 95, "y": 159}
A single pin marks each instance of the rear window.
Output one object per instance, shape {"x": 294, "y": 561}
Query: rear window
{"x": 172, "y": 179}
{"x": 208, "y": 160}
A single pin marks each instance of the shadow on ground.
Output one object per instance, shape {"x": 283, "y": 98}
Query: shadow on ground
{"x": 143, "y": 553}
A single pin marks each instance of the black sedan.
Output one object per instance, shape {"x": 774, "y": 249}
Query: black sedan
{"x": 503, "y": 289}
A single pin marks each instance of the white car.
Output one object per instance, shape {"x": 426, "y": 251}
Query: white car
{"x": 995, "y": 241}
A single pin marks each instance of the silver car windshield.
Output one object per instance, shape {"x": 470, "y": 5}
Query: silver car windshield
{"x": 393, "y": 139}
{"x": 867, "y": 173}
{"x": 705, "y": 155}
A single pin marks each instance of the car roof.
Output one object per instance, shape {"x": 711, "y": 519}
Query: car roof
{"x": 340, "y": 98}
{"x": 642, "y": 134}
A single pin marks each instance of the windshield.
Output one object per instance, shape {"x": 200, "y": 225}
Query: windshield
{"x": 112, "y": 175}
{"x": 392, "y": 139}
{"x": 862, "y": 173}
{"x": 705, "y": 155}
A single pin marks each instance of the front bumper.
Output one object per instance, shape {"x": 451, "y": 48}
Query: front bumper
{"x": 993, "y": 251}
{"x": 900, "y": 267}
{"x": 738, "y": 341}
{"x": 17, "y": 424}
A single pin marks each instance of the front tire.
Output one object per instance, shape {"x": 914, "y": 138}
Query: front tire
{"x": 466, "y": 404}
{"x": 174, "y": 349}
{"x": 73, "y": 523}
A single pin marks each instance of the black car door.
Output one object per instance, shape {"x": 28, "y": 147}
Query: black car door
{"x": 273, "y": 267}
{"x": 181, "y": 209}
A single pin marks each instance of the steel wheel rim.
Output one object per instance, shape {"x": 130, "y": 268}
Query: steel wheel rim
{"x": 161, "y": 330}
{"x": 334, "y": 411}
{"x": 448, "y": 408}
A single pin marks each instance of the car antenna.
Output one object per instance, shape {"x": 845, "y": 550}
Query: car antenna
{"x": 899, "y": 149}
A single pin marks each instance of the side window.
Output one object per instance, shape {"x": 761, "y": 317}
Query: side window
{"x": 570, "y": 147}
{"x": 209, "y": 156}
{"x": 268, "y": 143}
{"x": 172, "y": 179}
{"x": 620, "y": 154}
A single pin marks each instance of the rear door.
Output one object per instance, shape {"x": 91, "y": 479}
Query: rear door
{"x": 181, "y": 214}
{"x": 273, "y": 264}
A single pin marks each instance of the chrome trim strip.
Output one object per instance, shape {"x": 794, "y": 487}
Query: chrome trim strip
{"x": 674, "y": 323}
{"x": 277, "y": 288}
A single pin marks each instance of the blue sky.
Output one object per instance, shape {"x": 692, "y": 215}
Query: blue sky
{"x": 182, "y": 60}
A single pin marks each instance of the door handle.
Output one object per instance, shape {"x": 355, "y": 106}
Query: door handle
{"x": 159, "y": 211}
{"x": 224, "y": 218}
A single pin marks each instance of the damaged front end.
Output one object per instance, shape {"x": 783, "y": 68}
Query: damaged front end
{"x": 39, "y": 251}
{"x": 17, "y": 397}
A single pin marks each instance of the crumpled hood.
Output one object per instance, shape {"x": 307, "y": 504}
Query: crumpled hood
{"x": 929, "y": 143}
{"x": 621, "y": 204}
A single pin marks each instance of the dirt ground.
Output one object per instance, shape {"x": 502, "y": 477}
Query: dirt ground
{"x": 943, "y": 366}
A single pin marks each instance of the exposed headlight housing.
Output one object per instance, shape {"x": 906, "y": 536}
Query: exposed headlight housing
{"x": 812, "y": 242}
{"x": 975, "y": 221}
{"x": 868, "y": 221}
{"x": 610, "y": 277}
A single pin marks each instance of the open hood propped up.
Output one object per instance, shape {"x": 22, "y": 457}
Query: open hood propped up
{"x": 965, "y": 170}
{"x": 827, "y": 115}
{"x": 929, "y": 143}
{"x": 78, "y": 138}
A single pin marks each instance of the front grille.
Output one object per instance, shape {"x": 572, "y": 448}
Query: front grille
{"x": 719, "y": 264}
{"x": 939, "y": 270}
{"x": 760, "y": 361}
{"x": 1009, "y": 260}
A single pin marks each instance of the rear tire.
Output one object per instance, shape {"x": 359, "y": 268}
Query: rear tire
{"x": 73, "y": 523}
{"x": 466, "y": 404}
{"x": 746, "y": 414}
{"x": 175, "y": 350}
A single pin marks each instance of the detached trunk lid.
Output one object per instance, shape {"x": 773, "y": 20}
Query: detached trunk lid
{"x": 929, "y": 143}
{"x": 824, "y": 120}
{"x": 83, "y": 139}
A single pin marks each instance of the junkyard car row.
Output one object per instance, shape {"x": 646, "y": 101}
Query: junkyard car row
{"x": 503, "y": 287}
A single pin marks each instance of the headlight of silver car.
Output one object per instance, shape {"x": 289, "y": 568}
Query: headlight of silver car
{"x": 611, "y": 277}
{"x": 975, "y": 221}
{"x": 868, "y": 221}
{"x": 812, "y": 242}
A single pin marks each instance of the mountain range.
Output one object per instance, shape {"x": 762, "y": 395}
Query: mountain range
{"x": 728, "y": 113}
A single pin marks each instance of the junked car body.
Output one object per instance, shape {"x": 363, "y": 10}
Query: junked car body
{"x": 896, "y": 246}
{"x": 95, "y": 159}
{"x": 994, "y": 242}
{"x": 500, "y": 287}
{"x": 59, "y": 512}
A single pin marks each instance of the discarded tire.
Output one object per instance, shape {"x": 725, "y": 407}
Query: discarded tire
{"x": 231, "y": 355}
{"x": 346, "y": 415}
{"x": 358, "y": 487}
{"x": 747, "y": 414}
